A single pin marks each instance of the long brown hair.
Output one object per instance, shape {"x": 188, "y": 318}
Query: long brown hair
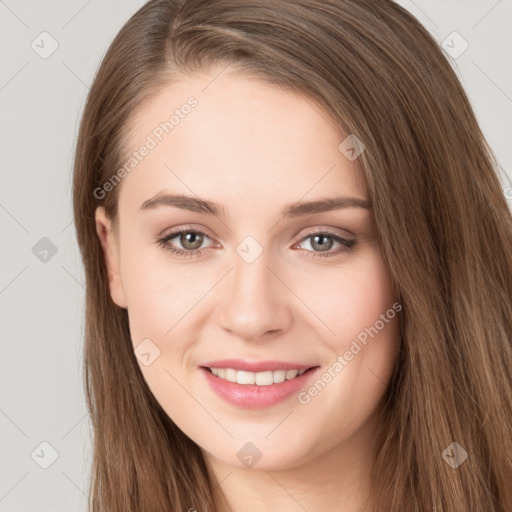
{"x": 443, "y": 222}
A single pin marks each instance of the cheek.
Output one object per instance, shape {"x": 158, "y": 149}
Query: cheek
{"x": 349, "y": 300}
{"x": 360, "y": 325}
{"x": 145, "y": 303}
{"x": 358, "y": 307}
{"x": 159, "y": 294}
{"x": 364, "y": 316}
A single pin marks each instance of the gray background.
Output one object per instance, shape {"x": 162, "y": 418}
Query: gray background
{"x": 41, "y": 290}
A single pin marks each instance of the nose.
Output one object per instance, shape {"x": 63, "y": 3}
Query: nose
{"x": 255, "y": 305}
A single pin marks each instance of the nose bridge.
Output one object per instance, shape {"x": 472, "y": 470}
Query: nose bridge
{"x": 254, "y": 303}
{"x": 251, "y": 278}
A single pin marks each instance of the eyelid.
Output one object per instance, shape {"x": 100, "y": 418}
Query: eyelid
{"x": 186, "y": 227}
{"x": 328, "y": 230}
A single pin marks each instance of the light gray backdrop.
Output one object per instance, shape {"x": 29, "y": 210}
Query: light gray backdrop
{"x": 49, "y": 52}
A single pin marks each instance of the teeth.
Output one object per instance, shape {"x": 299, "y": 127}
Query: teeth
{"x": 279, "y": 376}
{"x": 245, "y": 377}
{"x": 264, "y": 378}
{"x": 291, "y": 374}
{"x": 230, "y": 375}
{"x": 260, "y": 378}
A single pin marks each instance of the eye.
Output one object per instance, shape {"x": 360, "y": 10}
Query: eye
{"x": 322, "y": 242}
{"x": 190, "y": 239}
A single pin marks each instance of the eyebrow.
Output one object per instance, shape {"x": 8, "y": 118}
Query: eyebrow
{"x": 299, "y": 209}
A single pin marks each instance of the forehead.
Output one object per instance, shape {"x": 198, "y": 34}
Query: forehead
{"x": 235, "y": 140}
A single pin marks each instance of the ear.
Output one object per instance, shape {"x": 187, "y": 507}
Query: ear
{"x": 110, "y": 247}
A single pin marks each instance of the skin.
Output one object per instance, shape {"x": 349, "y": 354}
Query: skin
{"x": 253, "y": 148}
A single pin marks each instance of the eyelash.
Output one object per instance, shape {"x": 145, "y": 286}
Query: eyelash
{"x": 347, "y": 245}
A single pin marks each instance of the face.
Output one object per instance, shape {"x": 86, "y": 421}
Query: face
{"x": 266, "y": 327}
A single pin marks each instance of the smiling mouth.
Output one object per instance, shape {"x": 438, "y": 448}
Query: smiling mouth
{"x": 266, "y": 378}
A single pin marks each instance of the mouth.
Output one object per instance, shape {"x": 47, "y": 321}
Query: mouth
{"x": 256, "y": 385}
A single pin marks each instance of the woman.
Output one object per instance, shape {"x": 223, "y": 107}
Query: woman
{"x": 298, "y": 265}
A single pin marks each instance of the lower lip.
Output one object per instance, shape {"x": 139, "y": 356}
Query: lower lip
{"x": 252, "y": 396}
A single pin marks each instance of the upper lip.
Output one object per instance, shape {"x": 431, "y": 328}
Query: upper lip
{"x": 256, "y": 366}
